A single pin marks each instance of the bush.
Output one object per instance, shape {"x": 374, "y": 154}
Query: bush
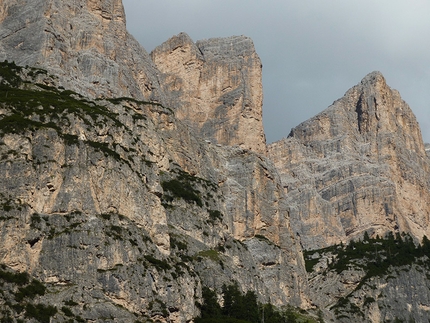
{"x": 40, "y": 312}
{"x": 182, "y": 189}
{"x": 30, "y": 291}
{"x": 16, "y": 278}
{"x": 159, "y": 264}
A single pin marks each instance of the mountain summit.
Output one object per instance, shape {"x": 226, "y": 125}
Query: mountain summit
{"x": 84, "y": 43}
{"x": 360, "y": 165}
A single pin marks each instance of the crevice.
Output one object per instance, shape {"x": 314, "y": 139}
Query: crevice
{"x": 32, "y": 242}
{"x": 362, "y": 115}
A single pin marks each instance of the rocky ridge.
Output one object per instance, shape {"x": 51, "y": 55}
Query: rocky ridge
{"x": 118, "y": 199}
{"x": 83, "y": 43}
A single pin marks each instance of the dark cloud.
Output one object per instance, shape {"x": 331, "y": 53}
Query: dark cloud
{"x": 312, "y": 51}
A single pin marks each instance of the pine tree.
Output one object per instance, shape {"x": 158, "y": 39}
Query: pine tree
{"x": 210, "y": 307}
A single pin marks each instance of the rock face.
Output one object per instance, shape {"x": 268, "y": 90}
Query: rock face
{"x": 120, "y": 200}
{"x": 358, "y": 166}
{"x": 84, "y": 43}
{"x": 215, "y": 87}
{"x": 119, "y": 210}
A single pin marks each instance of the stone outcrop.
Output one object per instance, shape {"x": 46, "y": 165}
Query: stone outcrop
{"x": 215, "y": 86}
{"x": 358, "y": 166}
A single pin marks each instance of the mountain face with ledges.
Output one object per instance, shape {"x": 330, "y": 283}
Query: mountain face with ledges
{"x": 133, "y": 182}
{"x": 84, "y": 43}
{"x": 358, "y": 166}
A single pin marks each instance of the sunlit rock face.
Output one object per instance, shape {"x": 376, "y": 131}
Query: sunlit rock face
{"x": 215, "y": 86}
{"x": 129, "y": 181}
{"x": 84, "y": 43}
{"x": 358, "y": 166}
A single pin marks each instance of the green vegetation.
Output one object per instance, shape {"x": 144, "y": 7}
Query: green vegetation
{"x": 181, "y": 188}
{"x": 377, "y": 257}
{"x": 210, "y": 254}
{"x": 32, "y": 107}
{"x": 30, "y": 291}
{"x": 214, "y": 215}
{"x": 9, "y": 71}
{"x": 158, "y": 306}
{"x": 19, "y": 279}
{"x": 175, "y": 243}
{"x": 161, "y": 265}
{"x": 18, "y": 292}
{"x": 122, "y": 99}
{"x": 189, "y": 188}
{"x": 40, "y": 312}
{"x": 244, "y": 308}
{"x": 67, "y": 311}
{"x": 115, "y": 232}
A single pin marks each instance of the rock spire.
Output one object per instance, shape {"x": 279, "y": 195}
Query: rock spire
{"x": 84, "y": 43}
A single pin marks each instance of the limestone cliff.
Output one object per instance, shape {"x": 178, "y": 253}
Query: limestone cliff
{"x": 123, "y": 211}
{"x": 84, "y": 43}
{"x": 114, "y": 207}
{"x": 215, "y": 87}
{"x": 358, "y": 166}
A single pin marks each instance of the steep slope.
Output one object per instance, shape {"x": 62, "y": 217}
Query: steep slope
{"x": 373, "y": 280}
{"x": 358, "y": 166}
{"x": 84, "y": 43}
{"x": 120, "y": 208}
{"x": 215, "y": 87}
{"x": 110, "y": 200}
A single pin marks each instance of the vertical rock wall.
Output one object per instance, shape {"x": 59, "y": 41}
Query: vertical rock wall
{"x": 84, "y": 43}
{"x": 215, "y": 86}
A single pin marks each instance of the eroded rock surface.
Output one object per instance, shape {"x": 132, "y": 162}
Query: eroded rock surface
{"x": 215, "y": 87}
{"x": 358, "y": 166}
{"x": 121, "y": 200}
{"x": 84, "y": 43}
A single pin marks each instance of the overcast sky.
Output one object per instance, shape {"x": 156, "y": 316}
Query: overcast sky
{"x": 312, "y": 51}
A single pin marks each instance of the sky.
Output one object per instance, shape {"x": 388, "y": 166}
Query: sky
{"x": 312, "y": 51}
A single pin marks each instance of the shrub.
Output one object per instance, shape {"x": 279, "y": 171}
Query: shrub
{"x": 182, "y": 189}
{"x": 159, "y": 264}
{"x": 40, "y": 312}
{"x": 30, "y": 291}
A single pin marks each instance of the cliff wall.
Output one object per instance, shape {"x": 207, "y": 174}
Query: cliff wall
{"x": 216, "y": 87}
{"x": 84, "y": 43}
{"x": 358, "y": 166}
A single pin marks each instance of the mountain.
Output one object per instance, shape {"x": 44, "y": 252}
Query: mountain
{"x": 138, "y": 187}
{"x": 215, "y": 87}
{"x": 84, "y": 43}
{"x": 358, "y": 166}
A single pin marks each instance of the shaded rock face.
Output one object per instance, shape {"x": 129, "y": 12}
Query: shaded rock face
{"x": 215, "y": 87}
{"x": 84, "y": 43}
{"x": 358, "y": 166}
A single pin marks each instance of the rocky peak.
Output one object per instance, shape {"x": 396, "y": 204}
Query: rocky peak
{"x": 358, "y": 166}
{"x": 215, "y": 87}
{"x": 84, "y": 43}
{"x": 230, "y": 47}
